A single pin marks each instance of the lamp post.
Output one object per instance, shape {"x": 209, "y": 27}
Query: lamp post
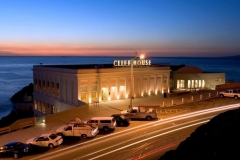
{"x": 141, "y": 56}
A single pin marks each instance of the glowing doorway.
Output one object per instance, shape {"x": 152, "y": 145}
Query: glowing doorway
{"x": 104, "y": 94}
{"x": 122, "y": 92}
{"x": 113, "y": 93}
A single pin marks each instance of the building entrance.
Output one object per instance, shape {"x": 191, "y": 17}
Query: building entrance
{"x": 122, "y": 92}
{"x": 104, "y": 94}
{"x": 113, "y": 93}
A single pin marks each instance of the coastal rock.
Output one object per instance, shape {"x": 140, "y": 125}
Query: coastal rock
{"x": 16, "y": 114}
{"x": 19, "y": 96}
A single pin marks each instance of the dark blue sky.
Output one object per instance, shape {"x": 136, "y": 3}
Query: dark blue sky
{"x": 120, "y": 27}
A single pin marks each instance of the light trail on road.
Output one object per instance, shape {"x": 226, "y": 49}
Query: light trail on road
{"x": 121, "y": 134}
{"x": 156, "y": 151}
{"x": 158, "y": 135}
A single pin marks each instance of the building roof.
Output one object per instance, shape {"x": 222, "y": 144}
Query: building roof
{"x": 79, "y": 66}
{"x": 189, "y": 69}
{"x": 176, "y": 67}
{"x": 93, "y": 66}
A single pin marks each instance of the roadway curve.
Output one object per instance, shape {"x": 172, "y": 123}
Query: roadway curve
{"x": 144, "y": 140}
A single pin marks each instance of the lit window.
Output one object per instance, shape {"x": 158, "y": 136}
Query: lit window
{"x": 192, "y": 86}
{"x": 203, "y": 83}
{"x": 196, "y": 84}
{"x": 180, "y": 84}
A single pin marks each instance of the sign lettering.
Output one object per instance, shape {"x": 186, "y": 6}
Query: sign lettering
{"x": 125, "y": 63}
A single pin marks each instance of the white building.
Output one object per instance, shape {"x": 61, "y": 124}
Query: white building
{"x": 62, "y": 87}
{"x": 193, "y": 78}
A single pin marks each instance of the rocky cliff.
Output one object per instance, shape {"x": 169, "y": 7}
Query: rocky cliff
{"x": 18, "y": 114}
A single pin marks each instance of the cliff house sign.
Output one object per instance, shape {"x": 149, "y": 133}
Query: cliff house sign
{"x": 127, "y": 63}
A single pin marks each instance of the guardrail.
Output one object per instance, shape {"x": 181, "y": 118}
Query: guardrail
{"x": 197, "y": 96}
{"x": 25, "y": 124}
{"x": 17, "y": 125}
{"x": 5, "y": 130}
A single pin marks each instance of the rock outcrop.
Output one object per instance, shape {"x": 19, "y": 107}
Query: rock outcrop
{"x": 18, "y": 114}
{"x": 19, "y": 96}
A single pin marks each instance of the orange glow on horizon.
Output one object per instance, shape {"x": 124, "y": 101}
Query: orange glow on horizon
{"x": 22, "y": 49}
{"x": 60, "y": 51}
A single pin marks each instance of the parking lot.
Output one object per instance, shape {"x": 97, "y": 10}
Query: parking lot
{"x": 173, "y": 106}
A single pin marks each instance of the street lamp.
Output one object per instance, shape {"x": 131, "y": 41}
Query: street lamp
{"x": 141, "y": 56}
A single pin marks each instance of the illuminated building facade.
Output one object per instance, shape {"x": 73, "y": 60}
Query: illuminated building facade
{"x": 193, "y": 78}
{"x": 62, "y": 87}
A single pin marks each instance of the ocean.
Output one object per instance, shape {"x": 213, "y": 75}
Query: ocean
{"x": 16, "y": 71}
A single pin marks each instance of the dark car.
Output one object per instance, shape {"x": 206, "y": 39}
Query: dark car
{"x": 121, "y": 120}
{"x": 14, "y": 149}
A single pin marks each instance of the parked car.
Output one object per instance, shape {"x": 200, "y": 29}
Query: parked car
{"x": 77, "y": 129}
{"x": 103, "y": 123}
{"x": 14, "y": 149}
{"x": 46, "y": 140}
{"x": 121, "y": 120}
{"x": 230, "y": 93}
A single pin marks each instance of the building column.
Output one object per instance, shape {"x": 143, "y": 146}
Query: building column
{"x": 79, "y": 88}
{"x": 55, "y": 88}
{"x": 88, "y": 96}
{"x": 148, "y": 85}
{"x": 118, "y": 89}
{"x": 162, "y": 89}
{"x": 108, "y": 86}
{"x": 125, "y": 84}
{"x": 141, "y": 86}
{"x": 155, "y": 85}
{"x": 168, "y": 84}
{"x": 98, "y": 90}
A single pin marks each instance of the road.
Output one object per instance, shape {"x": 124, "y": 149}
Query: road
{"x": 140, "y": 140}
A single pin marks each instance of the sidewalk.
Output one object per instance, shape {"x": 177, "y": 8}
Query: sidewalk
{"x": 164, "y": 103}
{"x": 172, "y": 105}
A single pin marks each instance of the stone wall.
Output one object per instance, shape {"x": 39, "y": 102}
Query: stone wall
{"x": 222, "y": 87}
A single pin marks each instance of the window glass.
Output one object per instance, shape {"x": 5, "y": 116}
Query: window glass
{"x": 19, "y": 145}
{"x": 69, "y": 128}
{"x": 91, "y": 121}
{"x": 134, "y": 111}
{"x": 105, "y": 121}
{"x": 45, "y": 139}
{"x": 53, "y": 136}
{"x": 40, "y": 139}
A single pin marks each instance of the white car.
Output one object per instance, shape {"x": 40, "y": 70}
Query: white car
{"x": 46, "y": 140}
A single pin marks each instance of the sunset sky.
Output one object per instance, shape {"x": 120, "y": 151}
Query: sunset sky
{"x": 169, "y": 28}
